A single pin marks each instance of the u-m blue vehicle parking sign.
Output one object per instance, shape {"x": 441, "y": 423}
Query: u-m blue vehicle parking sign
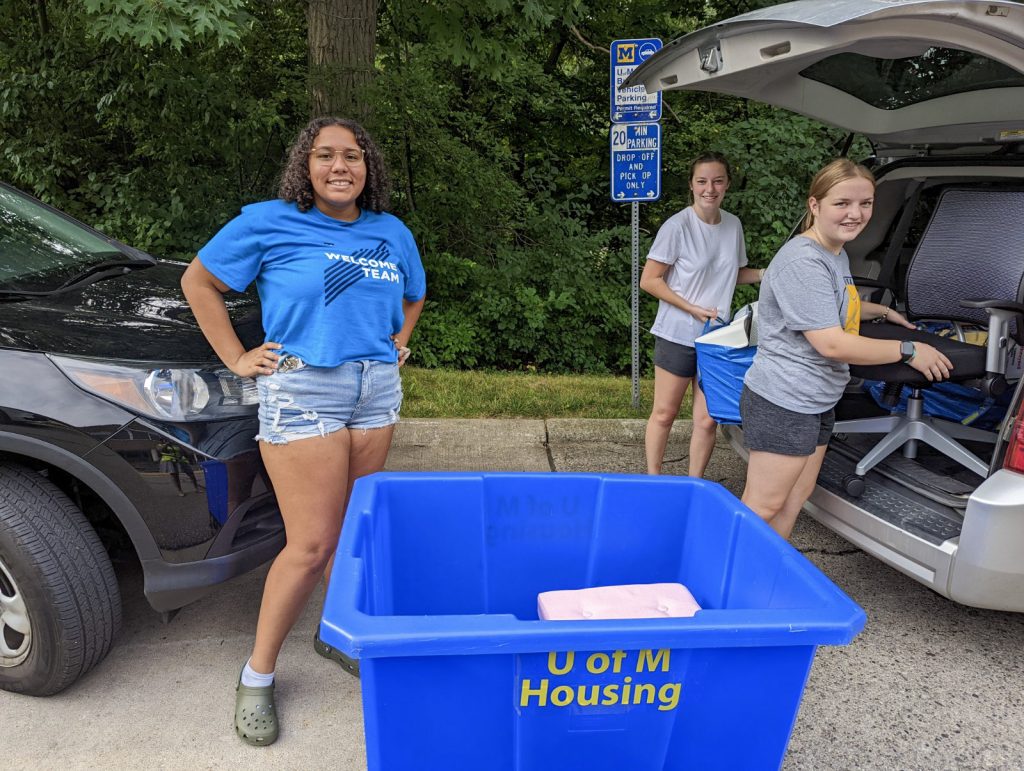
{"x": 634, "y": 104}
{"x": 636, "y": 161}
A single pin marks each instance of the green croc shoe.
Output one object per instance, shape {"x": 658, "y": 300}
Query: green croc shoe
{"x": 255, "y": 714}
{"x": 348, "y": 663}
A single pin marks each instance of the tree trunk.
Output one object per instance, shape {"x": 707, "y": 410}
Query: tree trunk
{"x": 44, "y": 20}
{"x": 342, "y": 34}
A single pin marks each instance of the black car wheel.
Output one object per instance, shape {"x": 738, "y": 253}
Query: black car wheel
{"x": 60, "y": 606}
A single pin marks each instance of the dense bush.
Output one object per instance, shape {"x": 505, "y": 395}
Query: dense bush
{"x": 155, "y": 144}
{"x": 493, "y": 116}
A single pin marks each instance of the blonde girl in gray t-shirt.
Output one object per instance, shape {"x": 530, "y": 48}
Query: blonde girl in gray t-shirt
{"x": 809, "y": 315}
{"x": 697, "y": 259}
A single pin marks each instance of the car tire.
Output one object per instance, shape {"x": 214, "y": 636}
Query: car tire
{"x": 60, "y": 606}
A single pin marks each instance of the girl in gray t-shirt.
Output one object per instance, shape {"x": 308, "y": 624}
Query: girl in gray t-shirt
{"x": 809, "y": 315}
{"x": 697, "y": 259}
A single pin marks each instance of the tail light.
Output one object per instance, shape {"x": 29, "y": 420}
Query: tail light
{"x": 1014, "y": 457}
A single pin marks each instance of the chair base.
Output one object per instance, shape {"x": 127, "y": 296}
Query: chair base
{"x": 907, "y": 430}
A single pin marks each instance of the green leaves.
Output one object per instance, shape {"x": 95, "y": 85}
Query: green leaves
{"x": 156, "y": 120}
{"x": 154, "y": 147}
{"x": 149, "y": 23}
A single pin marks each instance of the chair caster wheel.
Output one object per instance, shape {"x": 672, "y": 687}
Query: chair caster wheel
{"x": 853, "y": 485}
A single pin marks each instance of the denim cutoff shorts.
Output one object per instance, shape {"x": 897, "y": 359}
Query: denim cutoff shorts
{"x": 299, "y": 400}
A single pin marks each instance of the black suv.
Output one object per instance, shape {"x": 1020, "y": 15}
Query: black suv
{"x": 119, "y": 428}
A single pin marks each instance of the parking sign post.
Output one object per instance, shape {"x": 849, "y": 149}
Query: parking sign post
{"x": 635, "y": 141}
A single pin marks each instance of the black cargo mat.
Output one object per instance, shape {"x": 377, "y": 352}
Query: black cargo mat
{"x": 893, "y": 502}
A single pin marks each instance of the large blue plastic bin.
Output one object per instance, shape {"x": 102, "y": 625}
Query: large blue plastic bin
{"x": 434, "y": 590}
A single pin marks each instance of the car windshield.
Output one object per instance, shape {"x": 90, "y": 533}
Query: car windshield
{"x": 39, "y": 248}
{"x": 890, "y": 84}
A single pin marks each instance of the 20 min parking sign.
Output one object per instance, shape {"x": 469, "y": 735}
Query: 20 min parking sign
{"x": 636, "y": 162}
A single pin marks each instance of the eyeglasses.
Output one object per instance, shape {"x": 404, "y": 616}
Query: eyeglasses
{"x": 352, "y": 156}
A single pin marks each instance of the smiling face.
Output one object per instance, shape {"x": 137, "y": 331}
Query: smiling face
{"x": 337, "y": 184}
{"x": 842, "y": 213}
{"x": 708, "y": 184}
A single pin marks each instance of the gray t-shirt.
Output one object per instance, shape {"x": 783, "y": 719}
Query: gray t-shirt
{"x": 805, "y": 287}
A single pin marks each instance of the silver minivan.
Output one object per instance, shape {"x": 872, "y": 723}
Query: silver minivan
{"x": 937, "y": 87}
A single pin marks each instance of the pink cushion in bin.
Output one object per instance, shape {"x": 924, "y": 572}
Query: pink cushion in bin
{"x": 625, "y": 601}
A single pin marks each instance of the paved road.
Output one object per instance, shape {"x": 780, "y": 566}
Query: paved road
{"x": 928, "y": 685}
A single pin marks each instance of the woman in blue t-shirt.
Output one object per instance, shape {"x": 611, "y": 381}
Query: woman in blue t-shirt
{"x": 342, "y": 286}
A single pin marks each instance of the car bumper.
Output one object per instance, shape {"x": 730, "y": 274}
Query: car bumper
{"x": 257, "y": 538}
{"x": 981, "y": 567}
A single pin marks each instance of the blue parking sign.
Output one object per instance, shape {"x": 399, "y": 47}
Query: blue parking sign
{"x": 636, "y": 162}
{"x": 634, "y": 104}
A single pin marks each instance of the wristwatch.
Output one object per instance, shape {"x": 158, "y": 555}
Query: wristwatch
{"x": 907, "y": 351}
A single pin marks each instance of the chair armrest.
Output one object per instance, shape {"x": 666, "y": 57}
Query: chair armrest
{"x": 1001, "y": 314}
{"x": 1002, "y": 305}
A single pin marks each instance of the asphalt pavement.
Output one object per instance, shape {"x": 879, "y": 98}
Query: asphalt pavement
{"x": 928, "y": 684}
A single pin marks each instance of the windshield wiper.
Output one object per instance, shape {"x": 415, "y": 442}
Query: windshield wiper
{"x": 90, "y": 275}
{"x": 105, "y": 269}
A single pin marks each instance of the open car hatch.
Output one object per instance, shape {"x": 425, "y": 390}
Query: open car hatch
{"x": 916, "y": 72}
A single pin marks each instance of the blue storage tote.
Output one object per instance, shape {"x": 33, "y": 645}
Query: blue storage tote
{"x": 434, "y": 590}
{"x": 724, "y": 355}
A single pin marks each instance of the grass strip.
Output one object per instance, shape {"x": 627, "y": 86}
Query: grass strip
{"x": 436, "y": 393}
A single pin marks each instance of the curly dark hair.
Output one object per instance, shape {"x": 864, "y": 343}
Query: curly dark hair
{"x": 295, "y": 183}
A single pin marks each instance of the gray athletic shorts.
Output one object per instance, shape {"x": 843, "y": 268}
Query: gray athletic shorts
{"x": 680, "y": 360}
{"x": 767, "y": 427}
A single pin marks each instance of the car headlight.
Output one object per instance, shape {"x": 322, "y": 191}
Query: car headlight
{"x": 164, "y": 391}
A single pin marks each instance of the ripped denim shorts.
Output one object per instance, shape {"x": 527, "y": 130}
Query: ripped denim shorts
{"x": 299, "y": 400}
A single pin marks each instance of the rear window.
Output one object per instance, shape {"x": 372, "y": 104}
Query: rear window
{"x": 890, "y": 84}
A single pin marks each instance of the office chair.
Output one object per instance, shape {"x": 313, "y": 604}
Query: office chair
{"x": 968, "y": 267}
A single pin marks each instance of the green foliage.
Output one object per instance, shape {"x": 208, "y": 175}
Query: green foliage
{"x": 157, "y": 144}
{"x": 482, "y": 35}
{"x": 502, "y": 170}
{"x": 559, "y": 305}
{"x": 156, "y": 121}
{"x": 502, "y": 152}
{"x": 173, "y": 22}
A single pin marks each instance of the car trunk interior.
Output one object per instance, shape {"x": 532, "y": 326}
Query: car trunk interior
{"x": 925, "y": 495}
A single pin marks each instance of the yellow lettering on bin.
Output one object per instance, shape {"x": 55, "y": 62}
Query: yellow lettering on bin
{"x": 646, "y": 659}
{"x": 617, "y": 657}
{"x": 625, "y": 689}
{"x": 562, "y": 695}
{"x": 610, "y": 695}
{"x": 643, "y": 688}
{"x": 598, "y": 663}
{"x": 668, "y": 696}
{"x": 541, "y": 693}
{"x": 553, "y": 668}
{"x": 588, "y": 701}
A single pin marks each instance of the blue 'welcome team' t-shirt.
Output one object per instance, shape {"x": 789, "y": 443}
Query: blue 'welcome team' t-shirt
{"x": 331, "y": 290}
